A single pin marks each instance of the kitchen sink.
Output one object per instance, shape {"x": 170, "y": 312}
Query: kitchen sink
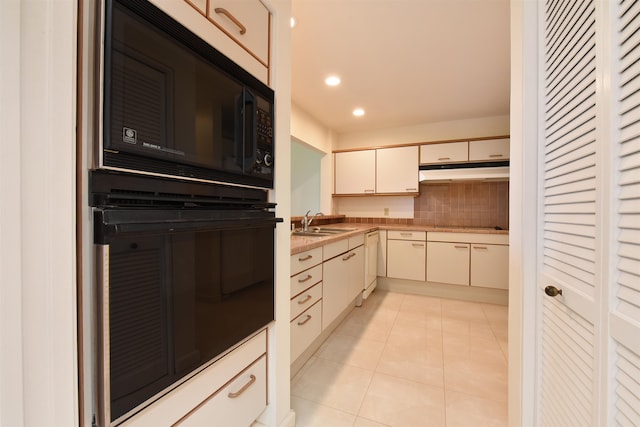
{"x": 321, "y": 231}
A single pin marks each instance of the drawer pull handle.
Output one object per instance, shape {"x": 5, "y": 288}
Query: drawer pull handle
{"x": 302, "y": 322}
{"x": 348, "y": 257}
{"x": 479, "y": 247}
{"x": 460, "y": 247}
{"x": 495, "y": 155}
{"x": 306, "y": 279}
{"x": 308, "y": 297}
{"x": 307, "y": 258}
{"x": 406, "y": 234}
{"x": 411, "y": 189}
{"x": 418, "y": 245}
{"x": 252, "y": 379}
{"x": 369, "y": 191}
{"x": 232, "y": 18}
{"x": 444, "y": 158}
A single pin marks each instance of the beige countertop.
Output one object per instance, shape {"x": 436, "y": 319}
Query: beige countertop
{"x": 304, "y": 243}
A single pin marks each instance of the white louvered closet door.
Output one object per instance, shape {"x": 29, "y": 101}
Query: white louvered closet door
{"x": 569, "y": 236}
{"x": 624, "y": 318}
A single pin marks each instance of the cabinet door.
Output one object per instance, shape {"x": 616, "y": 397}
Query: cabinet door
{"x": 397, "y": 170}
{"x": 448, "y": 263}
{"x": 490, "y": 149}
{"x": 450, "y": 152}
{"x": 247, "y": 22}
{"x": 356, "y": 263}
{"x": 355, "y": 172}
{"x": 406, "y": 259}
{"x": 490, "y": 266}
{"x": 382, "y": 254}
{"x": 334, "y": 290}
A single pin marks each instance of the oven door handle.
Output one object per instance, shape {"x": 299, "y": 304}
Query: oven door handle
{"x": 110, "y": 223}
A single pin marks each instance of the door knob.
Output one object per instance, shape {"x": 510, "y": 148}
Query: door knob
{"x": 552, "y": 291}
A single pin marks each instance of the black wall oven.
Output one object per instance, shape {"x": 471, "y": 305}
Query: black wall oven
{"x": 172, "y": 105}
{"x": 185, "y": 272}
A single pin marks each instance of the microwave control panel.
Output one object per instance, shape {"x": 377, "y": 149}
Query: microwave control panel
{"x": 264, "y": 131}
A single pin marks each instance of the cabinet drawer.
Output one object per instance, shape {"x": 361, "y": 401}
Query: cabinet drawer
{"x": 443, "y": 236}
{"x": 305, "y": 280}
{"x": 305, "y": 300}
{"x": 305, "y": 260}
{"x": 304, "y": 329}
{"x": 407, "y": 235}
{"x": 490, "y": 149}
{"x": 331, "y": 250}
{"x": 187, "y": 397}
{"x": 356, "y": 241}
{"x": 239, "y": 403}
{"x": 450, "y": 152}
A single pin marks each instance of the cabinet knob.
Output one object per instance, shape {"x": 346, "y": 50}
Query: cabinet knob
{"x": 552, "y": 291}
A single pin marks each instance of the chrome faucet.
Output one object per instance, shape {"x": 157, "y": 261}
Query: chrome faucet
{"x": 306, "y": 221}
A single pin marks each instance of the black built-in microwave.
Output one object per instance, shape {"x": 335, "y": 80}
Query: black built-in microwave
{"x": 172, "y": 105}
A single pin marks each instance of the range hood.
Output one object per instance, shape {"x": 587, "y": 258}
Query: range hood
{"x": 488, "y": 171}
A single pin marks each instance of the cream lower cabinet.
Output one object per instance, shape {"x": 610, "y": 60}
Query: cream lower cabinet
{"x": 238, "y": 403}
{"x": 406, "y": 254}
{"x": 232, "y": 392}
{"x": 490, "y": 266}
{"x": 343, "y": 276}
{"x": 448, "y": 263}
{"x": 306, "y": 300}
{"x": 473, "y": 259}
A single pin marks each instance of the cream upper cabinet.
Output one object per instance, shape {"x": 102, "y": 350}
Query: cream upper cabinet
{"x": 449, "y": 152}
{"x": 489, "y": 149}
{"x": 355, "y": 172}
{"x": 397, "y": 170}
{"x": 246, "y": 22}
{"x": 238, "y": 29}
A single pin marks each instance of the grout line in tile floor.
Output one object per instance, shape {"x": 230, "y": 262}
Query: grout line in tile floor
{"x": 377, "y": 368}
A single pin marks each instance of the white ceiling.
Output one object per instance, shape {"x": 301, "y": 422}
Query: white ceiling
{"x": 405, "y": 62}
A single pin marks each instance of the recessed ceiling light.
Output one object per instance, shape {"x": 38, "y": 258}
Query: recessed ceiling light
{"x": 293, "y": 22}
{"x": 332, "y": 80}
{"x": 358, "y": 112}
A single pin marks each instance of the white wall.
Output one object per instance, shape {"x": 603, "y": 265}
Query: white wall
{"x": 396, "y": 206}
{"x": 308, "y": 130}
{"x": 306, "y": 178}
{"x": 37, "y": 214}
{"x": 279, "y": 412}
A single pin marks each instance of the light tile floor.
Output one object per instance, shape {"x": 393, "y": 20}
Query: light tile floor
{"x": 408, "y": 361}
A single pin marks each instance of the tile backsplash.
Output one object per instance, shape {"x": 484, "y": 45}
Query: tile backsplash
{"x": 463, "y": 204}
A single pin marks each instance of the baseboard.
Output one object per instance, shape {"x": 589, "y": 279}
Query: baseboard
{"x": 289, "y": 421}
{"x": 443, "y": 290}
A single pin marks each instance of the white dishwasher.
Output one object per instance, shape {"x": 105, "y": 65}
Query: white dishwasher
{"x": 370, "y": 263}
